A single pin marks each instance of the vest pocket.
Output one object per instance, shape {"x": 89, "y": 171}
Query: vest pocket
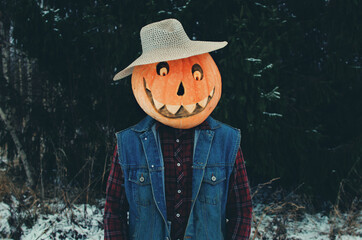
{"x": 141, "y": 186}
{"x": 212, "y": 186}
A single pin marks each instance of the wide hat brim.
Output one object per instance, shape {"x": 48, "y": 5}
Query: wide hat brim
{"x": 187, "y": 49}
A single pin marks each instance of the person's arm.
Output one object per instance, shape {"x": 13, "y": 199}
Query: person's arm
{"x": 239, "y": 207}
{"x": 116, "y": 207}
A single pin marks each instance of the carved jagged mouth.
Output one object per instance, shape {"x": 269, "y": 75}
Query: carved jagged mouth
{"x": 178, "y": 111}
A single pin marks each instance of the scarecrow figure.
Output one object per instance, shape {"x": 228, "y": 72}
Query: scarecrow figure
{"x": 179, "y": 173}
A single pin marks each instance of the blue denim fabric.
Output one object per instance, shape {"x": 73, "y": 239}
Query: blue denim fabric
{"x": 140, "y": 157}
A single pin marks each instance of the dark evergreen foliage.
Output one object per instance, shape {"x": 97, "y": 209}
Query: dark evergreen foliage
{"x": 291, "y": 82}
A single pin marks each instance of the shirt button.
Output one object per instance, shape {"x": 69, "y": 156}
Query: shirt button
{"x": 178, "y": 164}
{"x": 179, "y": 191}
{"x": 177, "y": 215}
{"x": 142, "y": 179}
{"x": 145, "y": 139}
{"x": 177, "y": 140}
{"x": 213, "y": 178}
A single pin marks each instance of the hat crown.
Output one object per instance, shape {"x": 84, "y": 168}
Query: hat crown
{"x": 164, "y": 34}
{"x": 165, "y": 41}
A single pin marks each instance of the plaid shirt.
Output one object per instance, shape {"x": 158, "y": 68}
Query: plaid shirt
{"x": 177, "y": 150}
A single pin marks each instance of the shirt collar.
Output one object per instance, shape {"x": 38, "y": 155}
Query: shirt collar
{"x": 203, "y": 126}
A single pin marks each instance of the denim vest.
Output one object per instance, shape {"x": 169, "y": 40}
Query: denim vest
{"x": 140, "y": 157}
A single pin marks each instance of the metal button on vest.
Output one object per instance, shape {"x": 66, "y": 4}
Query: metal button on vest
{"x": 142, "y": 179}
{"x": 177, "y": 140}
{"x": 213, "y": 178}
{"x": 177, "y": 215}
{"x": 179, "y": 191}
{"x": 178, "y": 164}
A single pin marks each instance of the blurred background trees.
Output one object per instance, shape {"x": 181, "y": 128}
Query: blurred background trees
{"x": 291, "y": 82}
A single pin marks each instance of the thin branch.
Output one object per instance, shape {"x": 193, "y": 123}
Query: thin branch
{"x": 260, "y": 186}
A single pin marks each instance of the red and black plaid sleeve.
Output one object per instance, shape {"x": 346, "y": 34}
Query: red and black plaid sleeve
{"x": 239, "y": 207}
{"x": 116, "y": 208}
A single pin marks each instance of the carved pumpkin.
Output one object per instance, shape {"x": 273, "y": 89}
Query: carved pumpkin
{"x": 179, "y": 93}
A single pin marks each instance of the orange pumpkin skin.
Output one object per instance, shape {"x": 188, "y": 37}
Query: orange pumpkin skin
{"x": 179, "y": 99}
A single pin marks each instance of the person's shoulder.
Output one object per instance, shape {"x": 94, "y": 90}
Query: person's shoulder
{"x": 142, "y": 126}
{"x": 215, "y": 124}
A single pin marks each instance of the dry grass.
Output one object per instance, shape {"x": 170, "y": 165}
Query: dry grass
{"x": 350, "y": 222}
{"x": 273, "y": 220}
{"x": 282, "y": 210}
{"x": 7, "y": 187}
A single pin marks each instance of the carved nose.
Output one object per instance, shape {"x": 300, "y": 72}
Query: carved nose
{"x": 181, "y": 90}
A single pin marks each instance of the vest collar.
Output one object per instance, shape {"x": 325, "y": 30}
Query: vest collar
{"x": 144, "y": 125}
{"x": 147, "y": 123}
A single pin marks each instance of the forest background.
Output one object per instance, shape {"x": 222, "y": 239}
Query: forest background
{"x": 291, "y": 82}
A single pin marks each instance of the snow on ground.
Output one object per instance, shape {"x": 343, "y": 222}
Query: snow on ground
{"x": 79, "y": 222}
{"x": 4, "y": 216}
{"x": 83, "y": 221}
{"x": 308, "y": 226}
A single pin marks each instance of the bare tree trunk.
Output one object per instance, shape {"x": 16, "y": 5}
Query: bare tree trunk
{"x": 29, "y": 69}
{"x": 41, "y": 151}
{"x": 5, "y": 52}
{"x": 20, "y": 71}
{"x": 19, "y": 147}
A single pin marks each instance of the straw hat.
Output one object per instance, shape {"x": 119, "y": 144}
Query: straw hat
{"x": 165, "y": 41}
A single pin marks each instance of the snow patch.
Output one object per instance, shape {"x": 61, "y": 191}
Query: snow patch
{"x": 310, "y": 226}
{"x": 253, "y": 60}
{"x": 84, "y": 221}
{"x": 5, "y": 214}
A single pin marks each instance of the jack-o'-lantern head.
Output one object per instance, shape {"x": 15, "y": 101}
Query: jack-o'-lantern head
{"x": 175, "y": 80}
{"x": 180, "y": 93}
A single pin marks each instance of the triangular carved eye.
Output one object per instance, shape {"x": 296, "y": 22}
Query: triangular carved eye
{"x": 162, "y": 68}
{"x": 197, "y": 72}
